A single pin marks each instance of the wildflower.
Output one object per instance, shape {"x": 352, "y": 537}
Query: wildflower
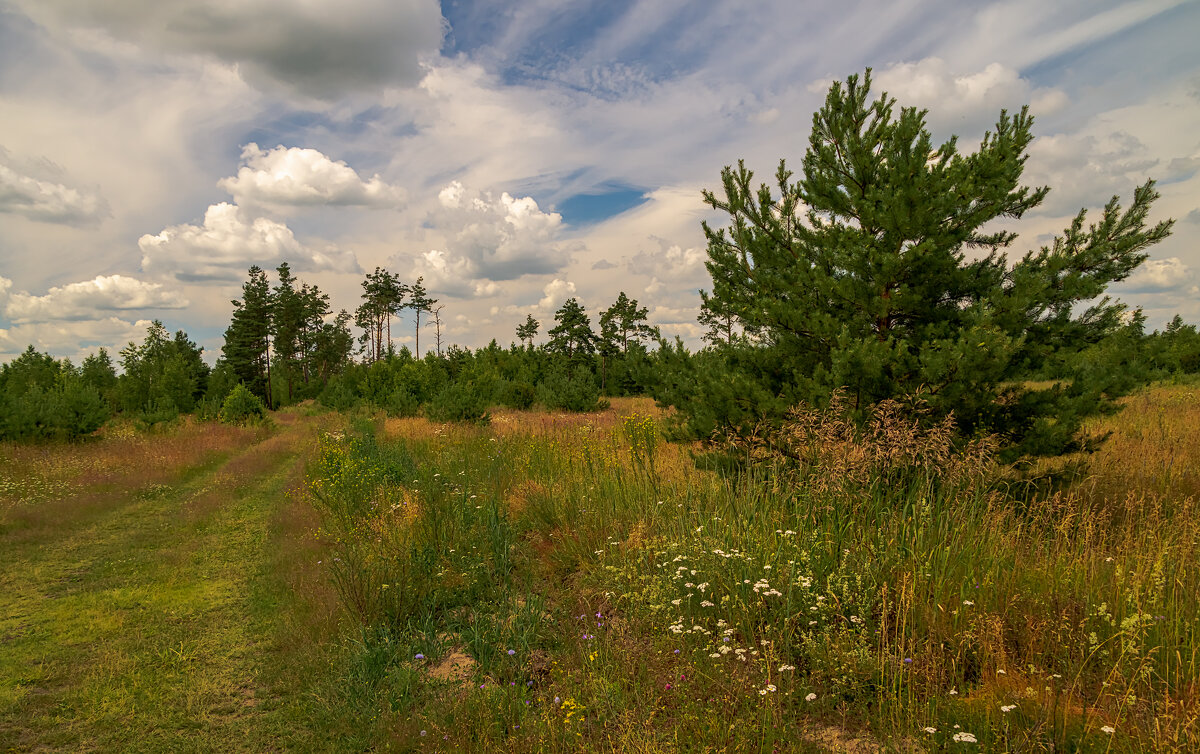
{"x": 968, "y": 603}
{"x": 965, "y": 738}
{"x": 770, "y": 687}
{"x": 676, "y": 651}
{"x": 811, "y": 697}
{"x": 762, "y": 692}
{"x": 1001, "y": 671}
{"x": 953, "y": 692}
{"x": 1108, "y": 729}
{"x": 1008, "y": 707}
{"x": 512, "y": 652}
{"x": 422, "y": 733}
{"x": 929, "y": 729}
{"x": 715, "y": 654}
{"x": 786, "y": 667}
{"x": 706, "y": 603}
{"x": 908, "y": 661}
{"x": 418, "y": 656}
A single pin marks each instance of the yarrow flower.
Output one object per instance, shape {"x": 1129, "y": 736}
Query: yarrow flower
{"x": 965, "y": 738}
{"x": 811, "y": 697}
{"x": 929, "y": 729}
{"x": 1008, "y": 708}
{"x": 1108, "y": 729}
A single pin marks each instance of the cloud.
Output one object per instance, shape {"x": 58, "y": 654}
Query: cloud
{"x": 555, "y": 294}
{"x": 322, "y": 50}
{"x": 83, "y": 300}
{"x": 452, "y": 276}
{"x": 1087, "y": 169}
{"x": 227, "y": 244}
{"x": 603, "y": 264}
{"x": 670, "y": 260}
{"x": 964, "y": 102}
{"x": 45, "y": 198}
{"x": 1159, "y": 276}
{"x": 291, "y": 176}
{"x": 72, "y": 339}
{"x": 489, "y": 238}
{"x": 1192, "y": 217}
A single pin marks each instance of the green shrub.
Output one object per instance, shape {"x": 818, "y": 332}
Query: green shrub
{"x": 458, "y": 402}
{"x": 401, "y": 402}
{"x": 577, "y": 392}
{"x": 161, "y": 411}
{"x": 518, "y": 395}
{"x": 68, "y": 411}
{"x": 242, "y": 406}
{"x": 338, "y": 395}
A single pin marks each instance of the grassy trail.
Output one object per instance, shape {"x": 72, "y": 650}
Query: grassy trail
{"x": 159, "y": 620}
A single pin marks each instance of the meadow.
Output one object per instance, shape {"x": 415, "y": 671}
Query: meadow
{"x": 564, "y": 582}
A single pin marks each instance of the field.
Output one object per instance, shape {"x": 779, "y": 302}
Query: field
{"x": 552, "y": 582}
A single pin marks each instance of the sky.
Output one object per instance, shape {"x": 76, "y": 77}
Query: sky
{"x": 516, "y": 153}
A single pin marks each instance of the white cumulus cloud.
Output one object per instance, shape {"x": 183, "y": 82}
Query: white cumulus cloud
{"x": 45, "y": 199}
{"x": 292, "y": 176}
{"x": 1159, "y": 275}
{"x": 226, "y": 244}
{"x": 964, "y": 102}
{"x": 86, "y": 299}
{"x": 67, "y": 338}
{"x": 555, "y": 294}
{"x": 487, "y": 239}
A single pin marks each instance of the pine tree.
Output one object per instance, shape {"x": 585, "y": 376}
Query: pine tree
{"x": 857, "y": 277}
{"x": 572, "y": 337}
{"x": 528, "y": 331}
{"x": 383, "y": 298}
{"x": 419, "y": 302}
{"x": 628, "y": 322}
{"x": 247, "y": 348}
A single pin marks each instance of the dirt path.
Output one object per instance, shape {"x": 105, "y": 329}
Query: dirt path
{"x": 148, "y": 625}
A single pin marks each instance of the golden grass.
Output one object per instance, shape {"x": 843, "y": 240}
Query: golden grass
{"x": 43, "y": 484}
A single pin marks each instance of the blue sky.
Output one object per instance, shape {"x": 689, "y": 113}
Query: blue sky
{"x": 515, "y": 154}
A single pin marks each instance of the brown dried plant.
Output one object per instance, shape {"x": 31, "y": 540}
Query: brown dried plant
{"x": 828, "y": 452}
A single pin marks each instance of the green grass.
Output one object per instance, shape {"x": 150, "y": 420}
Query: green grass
{"x": 558, "y": 583}
{"x": 162, "y": 621}
{"x": 867, "y": 593}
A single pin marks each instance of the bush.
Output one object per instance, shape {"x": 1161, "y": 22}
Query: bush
{"x": 458, "y": 402}
{"x": 242, "y": 406}
{"x": 338, "y": 395}
{"x": 575, "y": 393}
{"x": 401, "y": 402}
{"x": 518, "y": 395}
{"x": 66, "y": 412}
{"x": 161, "y": 411}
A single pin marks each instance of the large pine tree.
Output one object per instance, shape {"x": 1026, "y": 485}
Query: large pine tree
{"x": 247, "y": 348}
{"x": 881, "y": 272}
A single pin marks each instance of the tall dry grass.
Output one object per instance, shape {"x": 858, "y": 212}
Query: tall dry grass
{"x": 877, "y": 577}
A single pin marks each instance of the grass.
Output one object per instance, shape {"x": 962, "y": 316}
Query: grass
{"x": 558, "y": 582}
{"x": 881, "y": 585}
